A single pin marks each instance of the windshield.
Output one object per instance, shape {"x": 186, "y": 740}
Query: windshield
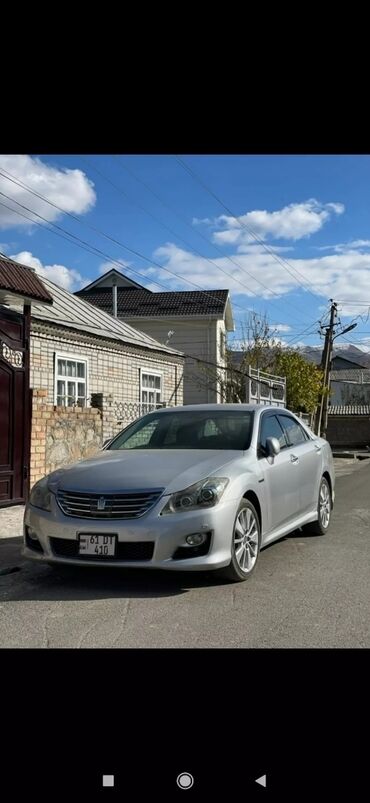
{"x": 216, "y": 429}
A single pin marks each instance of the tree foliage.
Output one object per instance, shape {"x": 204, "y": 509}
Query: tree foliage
{"x": 261, "y": 348}
{"x": 304, "y": 380}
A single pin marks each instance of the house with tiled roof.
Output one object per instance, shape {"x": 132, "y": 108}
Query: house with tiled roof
{"x": 90, "y": 374}
{"x": 194, "y": 322}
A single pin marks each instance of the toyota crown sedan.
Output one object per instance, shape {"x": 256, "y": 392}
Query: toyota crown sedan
{"x": 194, "y": 488}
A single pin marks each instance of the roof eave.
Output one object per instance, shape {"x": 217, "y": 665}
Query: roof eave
{"x": 97, "y": 282}
{"x": 8, "y": 297}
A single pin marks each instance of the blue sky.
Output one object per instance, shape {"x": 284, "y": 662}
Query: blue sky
{"x": 284, "y": 234}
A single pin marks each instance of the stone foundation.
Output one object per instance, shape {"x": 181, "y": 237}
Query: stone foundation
{"x": 61, "y": 435}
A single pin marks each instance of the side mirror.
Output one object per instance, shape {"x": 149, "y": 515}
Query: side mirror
{"x": 272, "y": 447}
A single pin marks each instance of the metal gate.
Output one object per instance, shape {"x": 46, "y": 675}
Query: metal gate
{"x": 263, "y": 388}
{"x": 15, "y": 410}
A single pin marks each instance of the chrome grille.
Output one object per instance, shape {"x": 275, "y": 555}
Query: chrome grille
{"x": 129, "y": 505}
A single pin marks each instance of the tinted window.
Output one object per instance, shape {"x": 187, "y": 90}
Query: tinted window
{"x": 295, "y": 433}
{"x": 140, "y": 439}
{"x": 216, "y": 429}
{"x": 270, "y": 428}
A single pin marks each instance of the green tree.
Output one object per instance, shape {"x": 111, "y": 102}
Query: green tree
{"x": 304, "y": 380}
{"x": 261, "y": 348}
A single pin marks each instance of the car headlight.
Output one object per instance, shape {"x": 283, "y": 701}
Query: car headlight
{"x": 203, "y": 494}
{"x": 40, "y": 495}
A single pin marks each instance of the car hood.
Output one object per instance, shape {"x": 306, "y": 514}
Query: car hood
{"x": 115, "y": 470}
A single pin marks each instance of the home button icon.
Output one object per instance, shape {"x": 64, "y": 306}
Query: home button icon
{"x": 185, "y": 780}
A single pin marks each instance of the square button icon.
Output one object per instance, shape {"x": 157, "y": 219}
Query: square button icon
{"x": 108, "y": 780}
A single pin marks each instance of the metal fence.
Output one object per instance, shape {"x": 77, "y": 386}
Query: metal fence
{"x": 264, "y": 388}
{"x": 127, "y": 412}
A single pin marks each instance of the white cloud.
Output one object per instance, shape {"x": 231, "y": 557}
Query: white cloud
{"x": 261, "y": 249}
{"x": 290, "y": 223}
{"x": 198, "y": 221}
{"x": 68, "y": 278}
{"x": 360, "y": 243}
{"x": 345, "y": 277}
{"x": 69, "y": 189}
{"x": 281, "y": 327}
{"x": 342, "y": 248}
{"x": 337, "y": 208}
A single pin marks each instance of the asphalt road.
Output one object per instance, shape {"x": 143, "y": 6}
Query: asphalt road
{"x": 307, "y": 591}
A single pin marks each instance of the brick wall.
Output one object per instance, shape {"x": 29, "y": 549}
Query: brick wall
{"x": 113, "y": 368}
{"x": 61, "y": 435}
{"x": 351, "y": 431}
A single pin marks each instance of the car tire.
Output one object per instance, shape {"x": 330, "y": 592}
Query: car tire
{"x": 324, "y": 507}
{"x": 245, "y": 544}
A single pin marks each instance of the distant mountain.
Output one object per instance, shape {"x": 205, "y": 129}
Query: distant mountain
{"x": 347, "y": 352}
{"x": 313, "y": 354}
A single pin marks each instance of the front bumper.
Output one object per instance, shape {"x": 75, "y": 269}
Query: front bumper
{"x": 167, "y": 533}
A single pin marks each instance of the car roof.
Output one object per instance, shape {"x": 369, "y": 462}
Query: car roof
{"x": 217, "y": 407}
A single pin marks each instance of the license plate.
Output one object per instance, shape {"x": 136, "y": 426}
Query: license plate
{"x": 101, "y": 546}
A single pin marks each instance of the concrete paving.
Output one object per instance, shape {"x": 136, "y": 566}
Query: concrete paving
{"x": 307, "y": 591}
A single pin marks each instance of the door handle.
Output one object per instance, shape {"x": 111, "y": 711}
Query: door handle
{"x": 294, "y": 459}
{"x": 318, "y": 448}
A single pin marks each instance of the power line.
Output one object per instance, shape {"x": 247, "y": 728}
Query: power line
{"x": 285, "y": 264}
{"x": 10, "y": 177}
{"x": 288, "y": 339}
{"x": 305, "y": 332}
{"x": 182, "y": 353}
{"x": 224, "y": 256}
{"x": 92, "y": 249}
{"x": 208, "y": 293}
{"x": 174, "y": 233}
{"x": 87, "y": 246}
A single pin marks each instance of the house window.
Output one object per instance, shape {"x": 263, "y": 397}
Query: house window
{"x": 70, "y": 389}
{"x": 223, "y": 345}
{"x": 150, "y": 388}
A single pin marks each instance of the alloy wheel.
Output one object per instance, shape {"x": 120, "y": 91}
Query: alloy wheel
{"x": 246, "y": 539}
{"x": 324, "y": 504}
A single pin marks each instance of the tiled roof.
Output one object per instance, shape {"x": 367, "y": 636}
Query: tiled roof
{"x": 134, "y": 302}
{"x": 19, "y": 280}
{"x": 360, "y": 375}
{"x": 349, "y": 409}
{"x": 75, "y": 313}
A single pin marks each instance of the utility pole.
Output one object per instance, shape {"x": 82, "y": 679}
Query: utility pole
{"x": 322, "y": 416}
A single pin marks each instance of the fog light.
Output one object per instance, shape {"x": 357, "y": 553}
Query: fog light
{"x": 32, "y": 534}
{"x": 196, "y": 539}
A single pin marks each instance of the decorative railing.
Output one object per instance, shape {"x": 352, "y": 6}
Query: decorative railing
{"x": 126, "y": 412}
{"x": 14, "y": 358}
{"x": 264, "y": 388}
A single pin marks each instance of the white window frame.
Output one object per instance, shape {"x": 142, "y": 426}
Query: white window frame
{"x": 150, "y": 372}
{"x": 59, "y": 355}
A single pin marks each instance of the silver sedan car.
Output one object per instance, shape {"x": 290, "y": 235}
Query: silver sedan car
{"x": 193, "y": 488}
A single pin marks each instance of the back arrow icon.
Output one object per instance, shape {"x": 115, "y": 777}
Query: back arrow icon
{"x": 261, "y": 780}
